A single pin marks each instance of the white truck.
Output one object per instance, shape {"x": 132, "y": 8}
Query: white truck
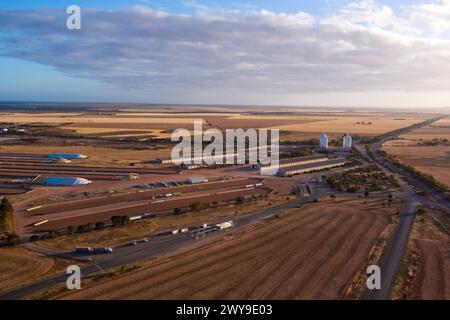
{"x": 225, "y": 225}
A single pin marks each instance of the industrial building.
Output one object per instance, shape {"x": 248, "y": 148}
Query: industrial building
{"x": 193, "y": 160}
{"x": 347, "y": 142}
{"x": 323, "y": 141}
{"x": 289, "y": 171}
{"x": 290, "y": 162}
{"x": 196, "y": 180}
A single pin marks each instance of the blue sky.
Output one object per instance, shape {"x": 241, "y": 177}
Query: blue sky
{"x": 188, "y": 6}
{"x": 328, "y": 52}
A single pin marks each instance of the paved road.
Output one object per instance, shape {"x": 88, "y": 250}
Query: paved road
{"x": 394, "y": 251}
{"x": 158, "y": 246}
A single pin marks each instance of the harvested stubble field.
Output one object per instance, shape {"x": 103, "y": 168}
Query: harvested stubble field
{"x": 19, "y": 266}
{"x": 425, "y": 272}
{"x": 153, "y": 123}
{"x": 308, "y": 253}
{"x": 430, "y": 159}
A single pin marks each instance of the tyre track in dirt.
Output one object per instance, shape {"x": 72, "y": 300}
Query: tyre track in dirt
{"x": 283, "y": 259}
{"x": 289, "y": 284}
{"x": 432, "y": 275}
{"x": 326, "y": 276}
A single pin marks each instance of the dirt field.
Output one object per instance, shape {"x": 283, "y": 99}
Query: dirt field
{"x": 96, "y": 155}
{"x": 19, "y": 266}
{"x": 425, "y": 270}
{"x": 308, "y": 253}
{"x": 430, "y": 159}
{"x": 158, "y": 124}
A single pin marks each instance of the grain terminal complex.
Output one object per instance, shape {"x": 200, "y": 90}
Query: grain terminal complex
{"x": 290, "y": 171}
{"x": 290, "y": 162}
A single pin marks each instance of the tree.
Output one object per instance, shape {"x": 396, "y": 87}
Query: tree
{"x": 13, "y": 239}
{"x": 7, "y": 215}
{"x": 366, "y": 193}
{"x": 71, "y": 229}
{"x": 125, "y": 220}
{"x": 99, "y": 225}
{"x": 197, "y": 206}
{"x": 115, "y": 220}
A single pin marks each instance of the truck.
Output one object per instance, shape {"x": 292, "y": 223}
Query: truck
{"x": 102, "y": 250}
{"x": 225, "y": 225}
{"x": 83, "y": 249}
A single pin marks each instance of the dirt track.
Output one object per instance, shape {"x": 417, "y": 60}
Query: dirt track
{"x": 309, "y": 253}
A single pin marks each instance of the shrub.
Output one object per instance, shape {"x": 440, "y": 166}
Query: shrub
{"x": 99, "y": 225}
{"x": 197, "y": 206}
{"x": 71, "y": 229}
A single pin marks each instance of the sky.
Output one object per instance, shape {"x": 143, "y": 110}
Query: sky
{"x": 376, "y": 53}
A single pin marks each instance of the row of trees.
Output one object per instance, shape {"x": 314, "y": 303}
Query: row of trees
{"x": 8, "y": 237}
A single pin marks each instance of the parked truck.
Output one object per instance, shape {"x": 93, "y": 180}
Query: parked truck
{"x": 103, "y": 250}
{"x": 225, "y": 225}
{"x": 83, "y": 249}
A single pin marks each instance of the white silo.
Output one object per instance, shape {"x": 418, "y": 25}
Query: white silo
{"x": 323, "y": 141}
{"x": 347, "y": 142}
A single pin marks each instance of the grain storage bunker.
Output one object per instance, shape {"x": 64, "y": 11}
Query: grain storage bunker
{"x": 65, "y": 181}
{"x": 66, "y": 156}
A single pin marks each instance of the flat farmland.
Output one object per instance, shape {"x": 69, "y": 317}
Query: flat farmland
{"x": 420, "y": 150}
{"x": 437, "y": 130}
{"x": 96, "y": 155}
{"x": 426, "y": 267}
{"x": 19, "y": 266}
{"x": 159, "y": 124}
{"x": 361, "y": 125}
{"x": 309, "y": 253}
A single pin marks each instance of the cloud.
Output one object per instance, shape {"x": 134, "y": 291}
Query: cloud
{"x": 365, "y": 46}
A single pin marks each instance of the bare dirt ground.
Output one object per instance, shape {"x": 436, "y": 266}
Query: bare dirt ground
{"x": 137, "y": 230}
{"x": 96, "y": 155}
{"x": 19, "y": 266}
{"x": 308, "y": 253}
{"x": 425, "y": 270}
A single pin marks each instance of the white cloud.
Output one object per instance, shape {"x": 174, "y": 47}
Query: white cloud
{"x": 365, "y": 46}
